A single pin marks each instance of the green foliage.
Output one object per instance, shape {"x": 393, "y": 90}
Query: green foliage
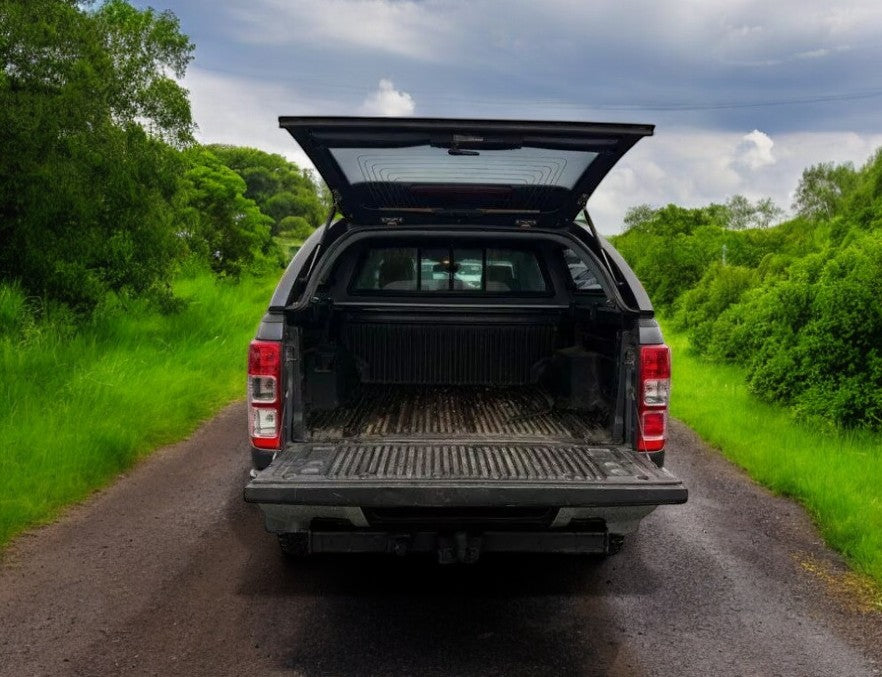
{"x": 80, "y": 408}
{"x": 103, "y": 193}
{"x": 87, "y": 109}
{"x": 14, "y": 315}
{"x": 295, "y": 227}
{"x": 742, "y": 213}
{"x": 825, "y": 357}
{"x": 671, "y": 248}
{"x": 220, "y": 225}
{"x": 820, "y": 190}
{"x": 862, "y": 206}
{"x": 699, "y": 308}
{"x": 146, "y": 48}
{"x": 797, "y": 304}
{"x": 279, "y": 187}
{"x": 638, "y": 215}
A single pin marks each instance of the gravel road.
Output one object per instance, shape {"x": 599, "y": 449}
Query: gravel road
{"x": 168, "y": 572}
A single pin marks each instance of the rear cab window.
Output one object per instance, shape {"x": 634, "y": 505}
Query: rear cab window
{"x": 435, "y": 269}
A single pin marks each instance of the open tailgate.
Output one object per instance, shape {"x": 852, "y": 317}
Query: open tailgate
{"x": 430, "y": 474}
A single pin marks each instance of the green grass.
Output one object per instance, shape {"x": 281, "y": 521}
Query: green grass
{"x": 836, "y": 475}
{"x": 79, "y": 408}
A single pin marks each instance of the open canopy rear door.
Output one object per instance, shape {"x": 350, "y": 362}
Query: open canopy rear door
{"x": 413, "y": 170}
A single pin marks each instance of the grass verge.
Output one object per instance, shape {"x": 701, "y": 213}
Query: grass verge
{"x": 79, "y": 409}
{"x": 836, "y": 475}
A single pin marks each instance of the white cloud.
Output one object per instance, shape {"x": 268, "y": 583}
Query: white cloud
{"x": 387, "y": 100}
{"x": 755, "y": 150}
{"x": 401, "y": 27}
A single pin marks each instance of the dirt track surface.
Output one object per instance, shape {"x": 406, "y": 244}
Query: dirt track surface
{"x": 168, "y": 572}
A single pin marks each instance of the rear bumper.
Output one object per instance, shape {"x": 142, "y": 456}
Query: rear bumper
{"x": 286, "y": 519}
{"x": 458, "y": 546}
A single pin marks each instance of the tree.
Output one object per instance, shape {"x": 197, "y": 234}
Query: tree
{"x": 821, "y": 188}
{"x": 742, "y": 213}
{"x": 766, "y": 212}
{"x": 637, "y": 216}
{"x": 220, "y": 224}
{"x": 88, "y": 110}
{"x": 279, "y": 187}
{"x": 296, "y": 227}
{"x": 145, "y": 49}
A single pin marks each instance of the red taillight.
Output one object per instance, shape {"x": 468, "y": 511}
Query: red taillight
{"x": 264, "y": 400}
{"x": 655, "y": 390}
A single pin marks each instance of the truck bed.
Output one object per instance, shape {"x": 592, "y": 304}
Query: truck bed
{"x": 456, "y": 413}
{"x": 418, "y": 448}
{"x": 430, "y": 455}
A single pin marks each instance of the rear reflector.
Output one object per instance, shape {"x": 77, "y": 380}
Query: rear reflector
{"x": 655, "y": 390}
{"x": 653, "y": 424}
{"x": 264, "y": 402}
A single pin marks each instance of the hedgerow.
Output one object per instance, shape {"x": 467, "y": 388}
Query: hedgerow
{"x": 798, "y": 304}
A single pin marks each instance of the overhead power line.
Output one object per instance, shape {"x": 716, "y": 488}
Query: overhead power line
{"x": 427, "y": 96}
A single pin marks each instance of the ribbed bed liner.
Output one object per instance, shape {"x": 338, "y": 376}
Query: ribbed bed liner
{"x": 455, "y": 412}
{"x": 534, "y": 462}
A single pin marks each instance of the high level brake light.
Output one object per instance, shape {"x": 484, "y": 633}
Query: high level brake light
{"x": 264, "y": 401}
{"x": 655, "y": 390}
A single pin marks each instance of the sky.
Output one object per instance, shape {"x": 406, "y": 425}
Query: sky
{"x": 744, "y": 94}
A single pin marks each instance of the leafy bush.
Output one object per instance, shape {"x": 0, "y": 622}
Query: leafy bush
{"x": 700, "y": 307}
{"x": 810, "y": 339}
{"x": 838, "y": 353}
{"x": 296, "y": 227}
{"x": 672, "y": 248}
{"x": 797, "y": 304}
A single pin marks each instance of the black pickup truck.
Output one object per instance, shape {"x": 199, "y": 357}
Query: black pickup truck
{"x": 457, "y": 364}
